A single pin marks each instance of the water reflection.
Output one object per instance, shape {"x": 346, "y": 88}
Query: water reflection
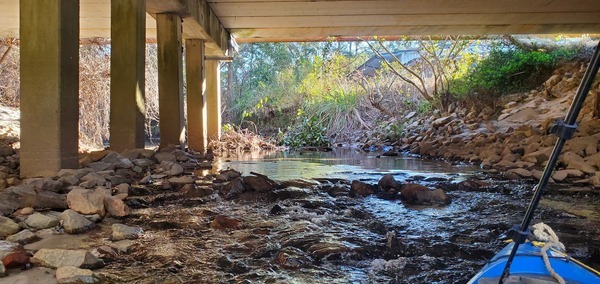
{"x": 340, "y": 163}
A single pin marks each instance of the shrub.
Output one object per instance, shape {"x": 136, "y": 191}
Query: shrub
{"x": 508, "y": 70}
{"x": 308, "y": 133}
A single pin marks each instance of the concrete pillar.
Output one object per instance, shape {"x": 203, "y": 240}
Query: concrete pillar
{"x": 127, "y": 70}
{"x": 213, "y": 99}
{"x": 196, "y": 94}
{"x": 49, "y": 32}
{"x": 170, "y": 79}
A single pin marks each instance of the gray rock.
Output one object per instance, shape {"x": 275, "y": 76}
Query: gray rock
{"x": 100, "y": 180}
{"x": 2, "y": 270}
{"x": 131, "y": 154}
{"x": 143, "y": 162}
{"x": 182, "y": 180}
{"x": 123, "y": 164}
{"x": 94, "y": 218}
{"x": 69, "y": 180}
{"x": 55, "y": 258}
{"x": 44, "y": 183}
{"x": 9, "y": 202}
{"x": 165, "y": 156}
{"x": 112, "y": 158}
{"x": 6, "y": 150}
{"x": 74, "y": 275}
{"x": 23, "y": 237}
{"x": 40, "y": 221}
{"x": 8, "y": 227}
{"x": 118, "y": 180}
{"x": 171, "y": 168}
{"x": 38, "y": 198}
{"x": 123, "y": 246}
{"x": 86, "y": 201}
{"x": 99, "y": 166}
{"x": 124, "y": 232}
{"x": 75, "y": 223}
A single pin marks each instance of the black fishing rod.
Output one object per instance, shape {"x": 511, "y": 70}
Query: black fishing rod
{"x": 564, "y": 129}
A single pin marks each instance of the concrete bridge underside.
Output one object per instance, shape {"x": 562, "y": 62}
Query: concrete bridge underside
{"x": 50, "y": 30}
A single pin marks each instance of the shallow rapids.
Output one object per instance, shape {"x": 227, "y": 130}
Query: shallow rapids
{"x": 306, "y": 234}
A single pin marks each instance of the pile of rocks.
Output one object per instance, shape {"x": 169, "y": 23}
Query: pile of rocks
{"x": 75, "y": 201}
{"x": 517, "y": 142}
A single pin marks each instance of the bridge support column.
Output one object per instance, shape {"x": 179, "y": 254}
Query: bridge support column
{"x": 170, "y": 79}
{"x": 213, "y": 99}
{"x": 196, "y": 94}
{"x": 127, "y": 70}
{"x": 49, "y": 32}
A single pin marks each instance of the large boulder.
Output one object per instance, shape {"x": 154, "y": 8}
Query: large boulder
{"x": 87, "y": 201}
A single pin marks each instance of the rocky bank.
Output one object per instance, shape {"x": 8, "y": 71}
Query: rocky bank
{"x": 516, "y": 141}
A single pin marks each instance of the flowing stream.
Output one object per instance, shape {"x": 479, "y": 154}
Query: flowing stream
{"x": 309, "y": 235}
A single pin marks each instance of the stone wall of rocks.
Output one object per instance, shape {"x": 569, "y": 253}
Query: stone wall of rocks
{"x": 515, "y": 141}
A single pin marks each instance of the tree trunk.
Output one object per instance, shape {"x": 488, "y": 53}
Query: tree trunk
{"x": 6, "y": 53}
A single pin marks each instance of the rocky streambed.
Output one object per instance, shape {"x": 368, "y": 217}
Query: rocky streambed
{"x": 167, "y": 217}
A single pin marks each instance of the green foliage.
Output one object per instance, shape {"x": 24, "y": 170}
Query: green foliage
{"x": 424, "y": 106}
{"x": 308, "y": 133}
{"x": 507, "y": 70}
{"x": 395, "y": 131}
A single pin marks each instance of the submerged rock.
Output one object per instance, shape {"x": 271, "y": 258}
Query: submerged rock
{"x": 122, "y": 232}
{"x": 222, "y": 222}
{"x": 293, "y": 258}
{"x": 361, "y": 189}
{"x": 417, "y": 194}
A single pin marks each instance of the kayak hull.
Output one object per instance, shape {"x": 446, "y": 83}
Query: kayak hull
{"x": 528, "y": 267}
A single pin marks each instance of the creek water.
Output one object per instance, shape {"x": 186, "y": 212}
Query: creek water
{"x": 309, "y": 235}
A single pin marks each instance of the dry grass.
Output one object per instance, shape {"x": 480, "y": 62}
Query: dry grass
{"x": 94, "y": 88}
{"x": 242, "y": 140}
{"x": 9, "y": 73}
